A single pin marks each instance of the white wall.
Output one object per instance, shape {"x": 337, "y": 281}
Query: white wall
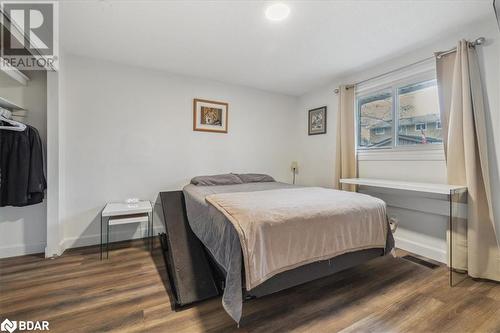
{"x": 127, "y": 132}
{"x": 23, "y": 229}
{"x": 316, "y": 153}
{"x": 422, "y": 230}
{"x": 54, "y": 229}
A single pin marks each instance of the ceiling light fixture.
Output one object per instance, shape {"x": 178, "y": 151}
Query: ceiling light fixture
{"x": 277, "y": 12}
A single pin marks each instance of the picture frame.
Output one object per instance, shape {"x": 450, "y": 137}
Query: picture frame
{"x": 317, "y": 121}
{"x": 210, "y": 116}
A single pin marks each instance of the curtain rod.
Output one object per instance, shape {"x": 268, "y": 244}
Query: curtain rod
{"x": 477, "y": 41}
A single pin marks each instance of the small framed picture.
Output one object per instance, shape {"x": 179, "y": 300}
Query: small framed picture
{"x": 317, "y": 121}
{"x": 210, "y": 116}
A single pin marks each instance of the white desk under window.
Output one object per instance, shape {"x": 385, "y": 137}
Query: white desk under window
{"x": 456, "y": 195}
{"x": 405, "y": 186}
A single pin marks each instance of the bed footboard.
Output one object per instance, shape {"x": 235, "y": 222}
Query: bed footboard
{"x": 190, "y": 273}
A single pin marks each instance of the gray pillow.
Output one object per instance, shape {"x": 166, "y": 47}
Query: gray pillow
{"x": 255, "y": 177}
{"x": 226, "y": 179}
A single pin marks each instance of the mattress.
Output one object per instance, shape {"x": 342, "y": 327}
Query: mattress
{"x": 219, "y": 236}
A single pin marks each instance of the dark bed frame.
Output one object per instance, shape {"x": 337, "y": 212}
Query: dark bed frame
{"x": 194, "y": 275}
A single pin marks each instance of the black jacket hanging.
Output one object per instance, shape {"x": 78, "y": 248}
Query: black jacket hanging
{"x": 22, "y": 179}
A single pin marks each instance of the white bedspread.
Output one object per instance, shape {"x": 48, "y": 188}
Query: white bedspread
{"x": 285, "y": 228}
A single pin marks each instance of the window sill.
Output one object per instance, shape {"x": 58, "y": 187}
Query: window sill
{"x": 416, "y": 153}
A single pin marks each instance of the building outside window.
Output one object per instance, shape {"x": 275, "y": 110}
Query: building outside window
{"x": 375, "y": 116}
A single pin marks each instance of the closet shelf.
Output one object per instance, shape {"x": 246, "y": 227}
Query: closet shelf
{"x": 14, "y": 74}
{"x": 6, "y": 104}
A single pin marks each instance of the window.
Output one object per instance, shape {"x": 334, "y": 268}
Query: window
{"x": 375, "y": 116}
{"x": 420, "y": 127}
{"x": 403, "y": 114}
{"x": 418, "y": 107}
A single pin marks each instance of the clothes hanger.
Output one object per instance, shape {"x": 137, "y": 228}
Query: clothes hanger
{"x": 14, "y": 125}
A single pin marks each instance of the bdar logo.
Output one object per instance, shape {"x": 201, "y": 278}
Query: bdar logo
{"x": 8, "y": 326}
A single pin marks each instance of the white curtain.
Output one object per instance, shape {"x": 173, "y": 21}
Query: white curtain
{"x": 464, "y": 135}
{"x": 346, "y": 165}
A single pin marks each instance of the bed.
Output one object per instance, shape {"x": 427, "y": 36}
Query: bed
{"x": 255, "y": 259}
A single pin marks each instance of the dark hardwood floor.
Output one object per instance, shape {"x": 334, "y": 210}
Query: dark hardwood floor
{"x": 129, "y": 293}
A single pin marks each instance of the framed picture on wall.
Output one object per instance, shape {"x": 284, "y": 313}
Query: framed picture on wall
{"x": 210, "y": 116}
{"x": 317, "y": 121}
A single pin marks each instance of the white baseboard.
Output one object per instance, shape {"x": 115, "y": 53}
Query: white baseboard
{"x": 424, "y": 250}
{"x": 115, "y": 236}
{"x": 21, "y": 249}
{"x": 71, "y": 242}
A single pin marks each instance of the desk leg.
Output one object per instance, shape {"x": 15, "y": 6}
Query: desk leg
{"x": 100, "y": 256}
{"x": 148, "y": 243}
{"x": 458, "y": 226}
{"x": 450, "y": 241}
{"x": 107, "y": 238}
{"x": 150, "y": 232}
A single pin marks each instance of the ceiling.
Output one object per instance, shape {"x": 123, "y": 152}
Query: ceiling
{"x": 233, "y": 42}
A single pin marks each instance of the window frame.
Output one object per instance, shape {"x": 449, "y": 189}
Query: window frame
{"x": 393, "y": 86}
